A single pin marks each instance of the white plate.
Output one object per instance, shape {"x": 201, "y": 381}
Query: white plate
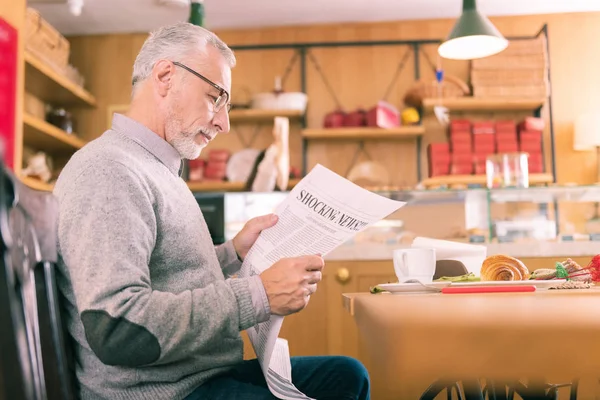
{"x": 412, "y": 287}
{"x": 540, "y": 284}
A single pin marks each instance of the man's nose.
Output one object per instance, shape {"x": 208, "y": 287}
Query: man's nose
{"x": 221, "y": 121}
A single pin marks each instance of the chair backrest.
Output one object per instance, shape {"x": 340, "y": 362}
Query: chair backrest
{"x": 28, "y": 228}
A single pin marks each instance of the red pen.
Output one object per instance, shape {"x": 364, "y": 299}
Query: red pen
{"x": 487, "y": 289}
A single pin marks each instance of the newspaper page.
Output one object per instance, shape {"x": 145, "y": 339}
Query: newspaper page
{"x": 322, "y": 211}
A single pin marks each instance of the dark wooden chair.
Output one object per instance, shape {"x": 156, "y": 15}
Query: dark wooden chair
{"x": 36, "y": 362}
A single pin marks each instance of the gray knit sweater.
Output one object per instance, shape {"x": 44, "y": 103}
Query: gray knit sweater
{"x": 149, "y": 306}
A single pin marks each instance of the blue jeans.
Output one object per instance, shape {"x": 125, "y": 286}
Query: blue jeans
{"x": 319, "y": 377}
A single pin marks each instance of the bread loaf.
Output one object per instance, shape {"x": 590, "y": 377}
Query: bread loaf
{"x": 503, "y": 268}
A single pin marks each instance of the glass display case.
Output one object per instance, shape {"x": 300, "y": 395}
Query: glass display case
{"x": 553, "y": 213}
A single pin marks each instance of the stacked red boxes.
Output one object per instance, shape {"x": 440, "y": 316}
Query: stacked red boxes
{"x": 506, "y": 137}
{"x": 216, "y": 166}
{"x": 461, "y": 147}
{"x": 484, "y": 144}
{"x": 530, "y": 141}
{"x": 438, "y": 155}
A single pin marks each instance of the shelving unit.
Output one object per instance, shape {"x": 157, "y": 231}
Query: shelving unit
{"x": 44, "y": 82}
{"x": 485, "y": 104}
{"x": 367, "y": 133}
{"x": 264, "y": 116}
{"x": 227, "y": 186}
{"x": 38, "y": 133}
{"x": 464, "y": 180}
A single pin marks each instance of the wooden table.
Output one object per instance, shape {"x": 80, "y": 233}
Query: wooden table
{"x": 413, "y": 339}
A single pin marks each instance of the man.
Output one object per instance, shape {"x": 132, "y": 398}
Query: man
{"x": 151, "y": 305}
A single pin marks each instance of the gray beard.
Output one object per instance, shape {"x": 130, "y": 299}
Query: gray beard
{"x": 186, "y": 146}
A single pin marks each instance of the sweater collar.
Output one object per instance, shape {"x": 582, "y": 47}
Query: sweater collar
{"x": 149, "y": 140}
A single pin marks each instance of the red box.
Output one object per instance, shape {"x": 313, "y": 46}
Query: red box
{"x": 479, "y": 169}
{"x": 462, "y": 148}
{"x": 482, "y": 127}
{"x": 460, "y": 124}
{"x": 507, "y": 148}
{"x": 506, "y": 125}
{"x": 484, "y": 150}
{"x": 460, "y": 135}
{"x": 506, "y": 138}
{"x": 461, "y": 158}
{"x": 218, "y": 155}
{"x": 461, "y": 169}
{"x": 484, "y": 140}
{"x": 536, "y": 164}
{"x": 438, "y": 148}
{"x": 440, "y": 169}
{"x": 383, "y": 115}
{"x": 532, "y": 124}
{"x": 531, "y": 136}
{"x": 530, "y": 147}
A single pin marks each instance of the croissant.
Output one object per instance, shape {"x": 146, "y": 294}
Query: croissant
{"x": 503, "y": 268}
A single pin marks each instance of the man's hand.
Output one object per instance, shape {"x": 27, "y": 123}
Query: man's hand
{"x": 290, "y": 282}
{"x": 248, "y": 235}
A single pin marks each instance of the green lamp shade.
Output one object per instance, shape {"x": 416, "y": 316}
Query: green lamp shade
{"x": 473, "y": 36}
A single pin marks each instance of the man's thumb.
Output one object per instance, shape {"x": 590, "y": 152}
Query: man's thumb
{"x": 263, "y": 222}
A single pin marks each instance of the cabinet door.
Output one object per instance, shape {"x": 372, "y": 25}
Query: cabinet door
{"x": 324, "y": 327}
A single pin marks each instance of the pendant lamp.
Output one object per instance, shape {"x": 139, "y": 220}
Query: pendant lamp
{"x": 197, "y": 13}
{"x": 473, "y": 36}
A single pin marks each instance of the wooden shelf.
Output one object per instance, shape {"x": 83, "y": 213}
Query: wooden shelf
{"x": 43, "y": 136}
{"x": 37, "y": 184}
{"x": 485, "y": 104}
{"x": 254, "y": 115}
{"x": 366, "y": 133}
{"x": 453, "y": 180}
{"x": 226, "y": 186}
{"x": 42, "y": 81}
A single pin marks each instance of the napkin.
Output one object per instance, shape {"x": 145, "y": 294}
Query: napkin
{"x": 471, "y": 255}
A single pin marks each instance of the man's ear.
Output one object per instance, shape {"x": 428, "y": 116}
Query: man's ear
{"x": 162, "y": 76}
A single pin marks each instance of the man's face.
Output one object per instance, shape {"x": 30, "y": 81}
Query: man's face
{"x": 191, "y": 120}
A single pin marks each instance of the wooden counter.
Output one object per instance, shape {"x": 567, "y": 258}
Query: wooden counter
{"x": 414, "y": 339}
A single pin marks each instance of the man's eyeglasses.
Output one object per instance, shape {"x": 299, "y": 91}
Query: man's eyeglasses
{"x": 222, "y": 100}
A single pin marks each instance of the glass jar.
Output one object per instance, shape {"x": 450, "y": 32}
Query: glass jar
{"x": 507, "y": 170}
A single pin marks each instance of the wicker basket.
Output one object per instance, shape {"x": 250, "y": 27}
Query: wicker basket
{"x": 516, "y": 77}
{"x": 45, "y": 41}
{"x": 452, "y": 87}
{"x": 529, "y": 91}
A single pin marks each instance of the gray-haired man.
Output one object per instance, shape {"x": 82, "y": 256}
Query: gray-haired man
{"x": 152, "y": 309}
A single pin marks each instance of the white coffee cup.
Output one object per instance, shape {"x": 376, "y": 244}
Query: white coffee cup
{"x": 414, "y": 263}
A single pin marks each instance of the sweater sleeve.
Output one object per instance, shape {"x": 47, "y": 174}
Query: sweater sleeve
{"x": 228, "y": 258}
{"x": 107, "y": 232}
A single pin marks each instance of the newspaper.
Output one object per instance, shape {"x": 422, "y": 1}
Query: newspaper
{"x": 322, "y": 211}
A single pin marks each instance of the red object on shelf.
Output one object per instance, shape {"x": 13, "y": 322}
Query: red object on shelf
{"x": 218, "y": 155}
{"x": 483, "y": 127}
{"x": 532, "y": 124}
{"x": 532, "y": 136}
{"x": 487, "y": 289}
{"x": 383, "y": 115}
{"x": 462, "y": 148}
{"x": 356, "y": 118}
{"x": 460, "y": 125}
{"x": 334, "y": 119}
{"x": 479, "y": 169}
{"x": 8, "y": 91}
{"x": 530, "y": 147}
{"x": 507, "y": 148}
{"x": 506, "y": 125}
{"x": 439, "y": 169}
{"x": 461, "y": 158}
{"x": 438, "y": 157}
{"x": 506, "y": 138}
{"x": 484, "y": 150}
{"x": 461, "y": 168}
